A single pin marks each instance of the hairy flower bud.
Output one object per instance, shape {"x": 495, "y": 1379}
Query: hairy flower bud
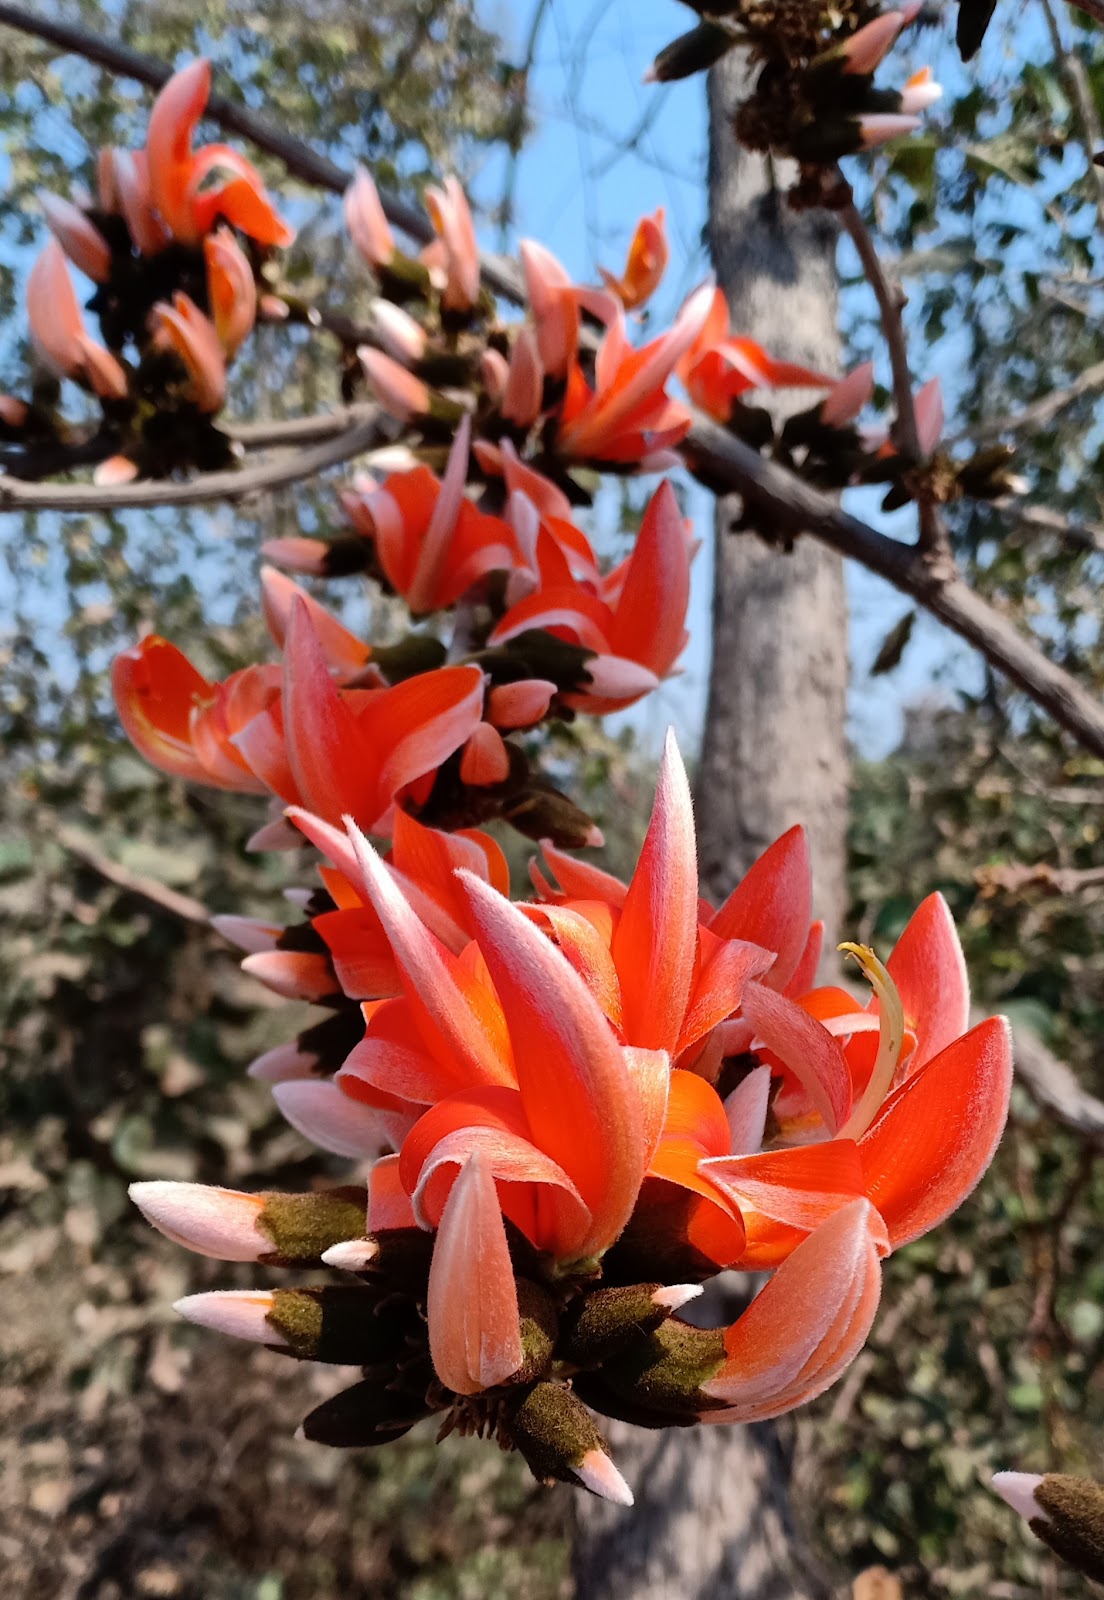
{"x": 559, "y": 1439}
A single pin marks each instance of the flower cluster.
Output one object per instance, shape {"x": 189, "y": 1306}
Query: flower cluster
{"x": 573, "y": 1112}
{"x": 165, "y": 241}
{"x": 814, "y": 97}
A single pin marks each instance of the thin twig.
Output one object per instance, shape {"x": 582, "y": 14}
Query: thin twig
{"x": 158, "y": 894}
{"x": 303, "y": 430}
{"x": 1038, "y": 413}
{"x": 1085, "y": 113}
{"x": 1012, "y": 877}
{"x": 795, "y": 506}
{"x": 1051, "y": 1083}
{"x": 1040, "y": 519}
{"x": 286, "y": 469}
{"x": 891, "y": 300}
{"x": 298, "y": 157}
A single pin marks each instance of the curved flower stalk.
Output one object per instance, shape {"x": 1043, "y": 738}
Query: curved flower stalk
{"x": 578, "y": 1094}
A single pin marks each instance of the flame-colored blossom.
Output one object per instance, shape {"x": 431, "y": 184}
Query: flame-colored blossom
{"x": 633, "y": 619}
{"x": 533, "y": 1082}
{"x": 180, "y": 178}
{"x": 195, "y": 339}
{"x": 645, "y": 265}
{"x": 719, "y": 366}
{"x": 58, "y": 332}
{"x": 291, "y": 731}
{"x": 231, "y": 289}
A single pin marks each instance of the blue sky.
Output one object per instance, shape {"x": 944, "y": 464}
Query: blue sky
{"x": 606, "y": 148}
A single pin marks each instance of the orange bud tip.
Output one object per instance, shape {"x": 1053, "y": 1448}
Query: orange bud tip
{"x": 247, "y": 933}
{"x": 650, "y": 75}
{"x": 221, "y": 1223}
{"x": 351, "y": 1255}
{"x": 595, "y": 838}
{"x": 242, "y": 1313}
{"x": 1017, "y": 1489}
{"x": 676, "y": 1295}
{"x": 282, "y": 1064}
{"x": 597, "y": 1473}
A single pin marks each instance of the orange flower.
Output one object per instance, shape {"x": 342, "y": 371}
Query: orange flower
{"x": 194, "y": 338}
{"x": 231, "y": 291}
{"x": 58, "y": 332}
{"x": 292, "y": 732}
{"x": 189, "y": 204}
{"x": 646, "y": 264}
{"x": 528, "y": 1084}
{"x": 719, "y": 366}
{"x": 627, "y": 416}
{"x": 633, "y": 619}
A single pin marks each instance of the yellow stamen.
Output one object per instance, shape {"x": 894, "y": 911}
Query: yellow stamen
{"x": 891, "y": 1035}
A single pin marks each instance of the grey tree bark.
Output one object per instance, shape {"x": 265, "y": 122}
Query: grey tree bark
{"x": 713, "y": 1519}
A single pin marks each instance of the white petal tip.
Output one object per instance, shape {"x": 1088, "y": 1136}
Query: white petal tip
{"x": 220, "y": 1223}
{"x": 351, "y": 1255}
{"x": 247, "y": 933}
{"x": 678, "y": 1294}
{"x": 597, "y": 1473}
{"x": 1017, "y": 1489}
{"x": 284, "y": 1062}
{"x": 241, "y": 1313}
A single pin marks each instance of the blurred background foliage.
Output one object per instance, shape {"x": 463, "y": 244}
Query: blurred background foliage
{"x": 143, "y": 1458}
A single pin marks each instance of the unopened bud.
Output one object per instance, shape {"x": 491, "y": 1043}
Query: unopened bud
{"x": 559, "y": 1439}
{"x": 281, "y": 1230}
{"x": 345, "y": 1324}
{"x": 370, "y": 1413}
{"x": 666, "y": 1371}
{"x": 1066, "y": 1513}
{"x": 539, "y": 1330}
{"x": 604, "y": 1322}
{"x": 690, "y": 52}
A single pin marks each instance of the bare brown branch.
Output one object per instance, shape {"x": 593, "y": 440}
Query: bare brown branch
{"x": 285, "y": 469}
{"x": 796, "y": 507}
{"x": 158, "y": 894}
{"x": 892, "y": 300}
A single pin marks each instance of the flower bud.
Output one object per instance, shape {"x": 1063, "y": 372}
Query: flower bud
{"x": 278, "y": 1229}
{"x": 370, "y": 1413}
{"x": 559, "y": 1439}
{"x": 603, "y": 1323}
{"x": 1065, "y": 1512}
{"x": 666, "y": 1372}
{"x": 690, "y": 52}
{"x": 345, "y": 1324}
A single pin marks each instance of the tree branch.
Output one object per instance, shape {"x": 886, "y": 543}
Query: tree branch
{"x": 20, "y": 497}
{"x": 726, "y": 463}
{"x": 158, "y": 894}
{"x": 923, "y": 572}
{"x": 891, "y": 300}
{"x": 1081, "y": 96}
{"x": 298, "y": 157}
{"x": 1040, "y": 519}
{"x": 1038, "y": 413}
{"x": 1051, "y": 1083}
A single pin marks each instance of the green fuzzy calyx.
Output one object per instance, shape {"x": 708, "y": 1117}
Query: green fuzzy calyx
{"x": 303, "y": 1226}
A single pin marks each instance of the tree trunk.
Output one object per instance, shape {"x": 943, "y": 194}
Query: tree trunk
{"x": 712, "y": 1519}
